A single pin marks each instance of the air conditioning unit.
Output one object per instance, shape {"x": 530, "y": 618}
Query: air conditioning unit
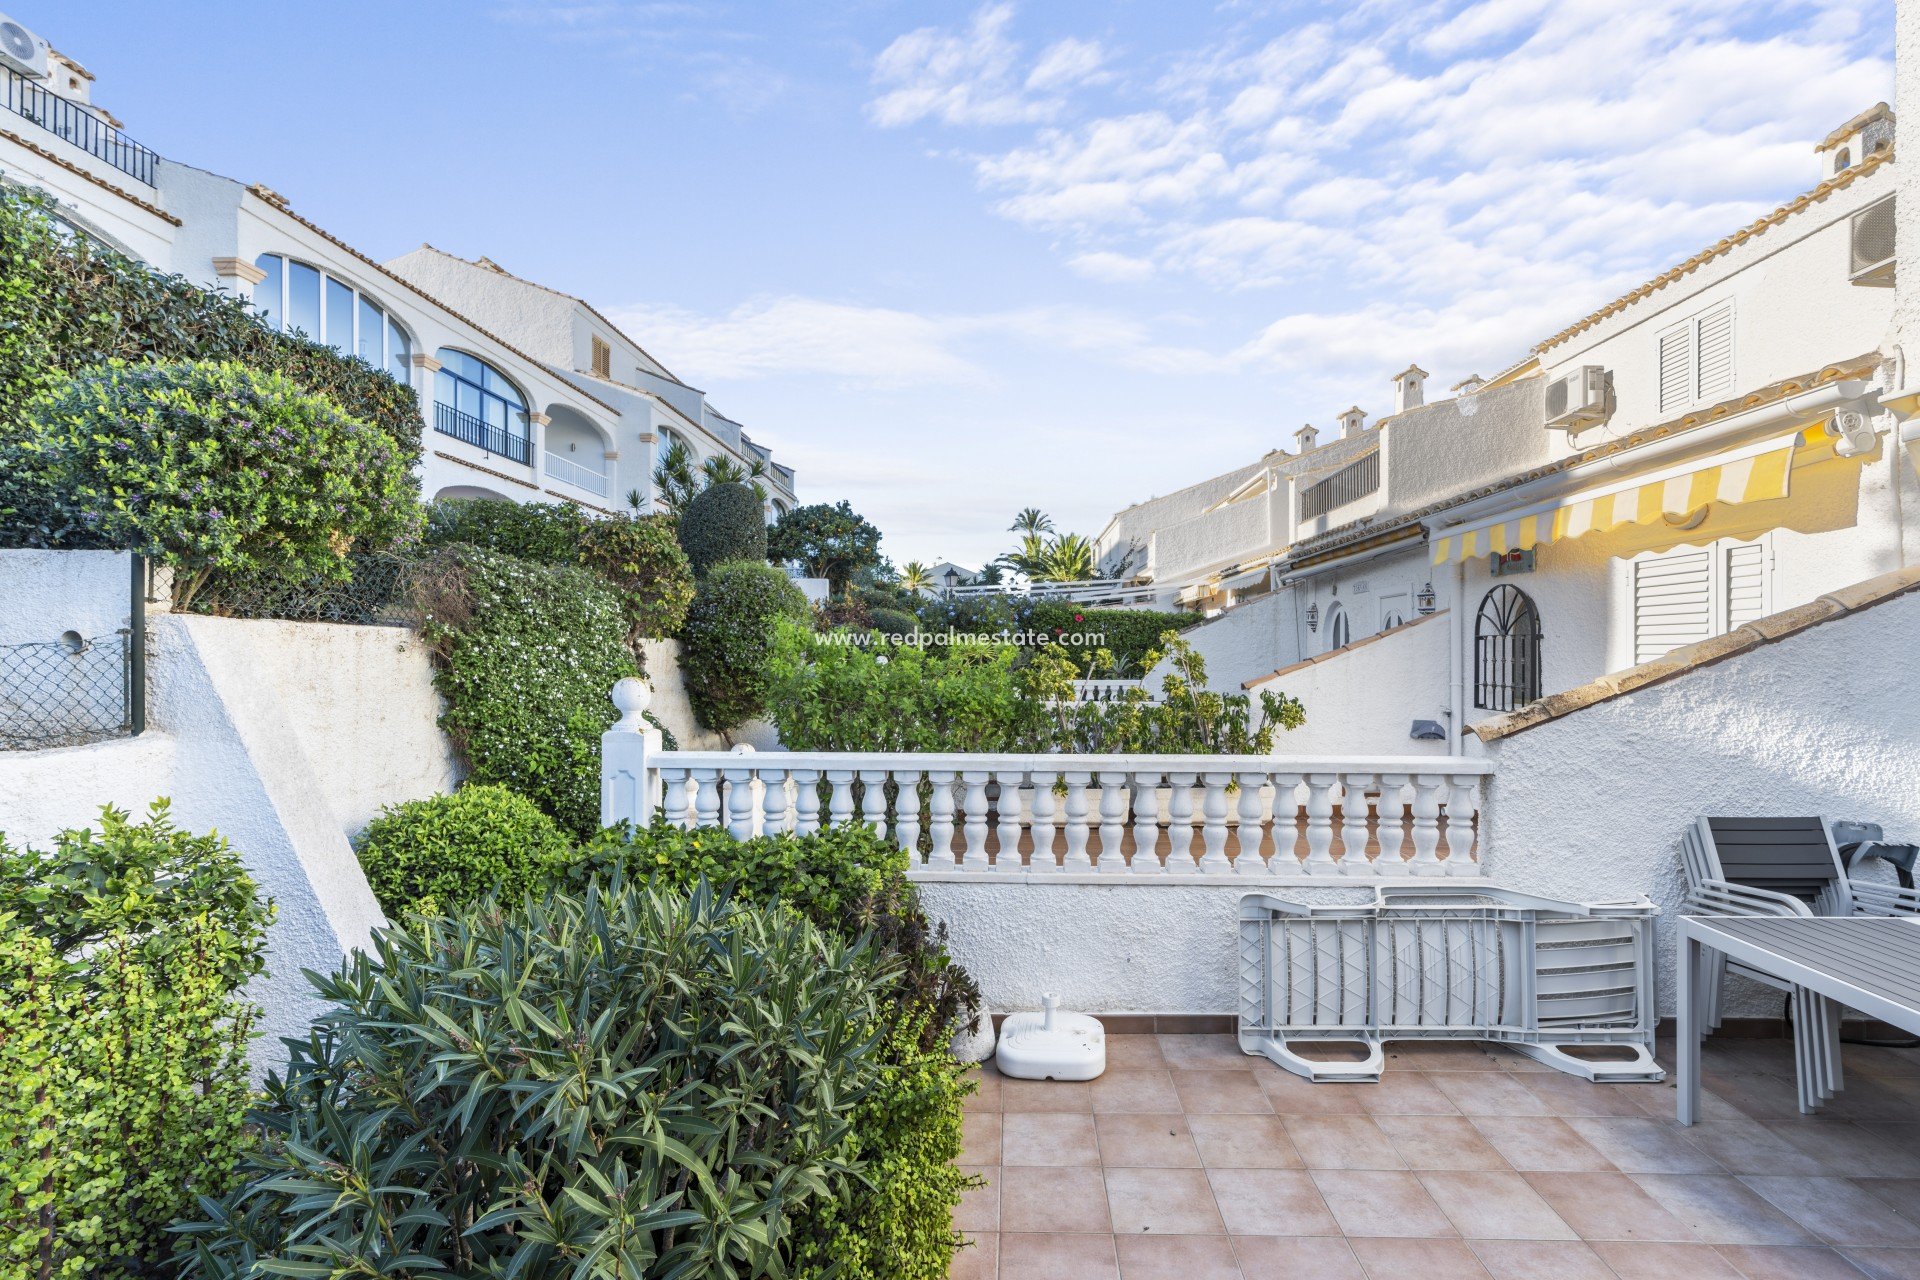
{"x": 1870, "y": 241}
{"x": 1577, "y": 399}
{"x": 22, "y": 50}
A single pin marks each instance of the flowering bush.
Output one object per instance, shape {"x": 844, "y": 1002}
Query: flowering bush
{"x": 544, "y": 532}
{"x": 213, "y": 466}
{"x": 730, "y": 634}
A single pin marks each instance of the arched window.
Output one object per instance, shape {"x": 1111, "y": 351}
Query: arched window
{"x": 297, "y": 297}
{"x": 670, "y": 438}
{"x": 1392, "y": 618}
{"x": 474, "y": 402}
{"x": 1506, "y": 650}
{"x": 1339, "y": 630}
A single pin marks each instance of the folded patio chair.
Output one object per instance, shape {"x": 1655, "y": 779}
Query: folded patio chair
{"x": 1774, "y": 867}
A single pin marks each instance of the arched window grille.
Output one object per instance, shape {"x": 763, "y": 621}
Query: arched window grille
{"x": 474, "y": 402}
{"x": 1339, "y": 630}
{"x": 1506, "y": 650}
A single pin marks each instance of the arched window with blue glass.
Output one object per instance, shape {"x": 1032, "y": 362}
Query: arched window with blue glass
{"x": 474, "y": 402}
{"x": 297, "y": 297}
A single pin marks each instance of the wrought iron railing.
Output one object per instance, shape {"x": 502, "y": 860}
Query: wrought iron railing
{"x": 449, "y": 421}
{"x": 1349, "y": 484}
{"x": 74, "y": 124}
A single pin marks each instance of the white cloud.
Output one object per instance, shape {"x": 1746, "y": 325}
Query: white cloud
{"x": 973, "y": 76}
{"x": 1113, "y": 268}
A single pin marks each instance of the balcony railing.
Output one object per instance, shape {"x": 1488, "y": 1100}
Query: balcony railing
{"x": 449, "y": 421}
{"x": 74, "y": 124}
{"x": 567, "y": 471}
{"x": 1349, "y": 484}
{"x": 1093, "y": 592}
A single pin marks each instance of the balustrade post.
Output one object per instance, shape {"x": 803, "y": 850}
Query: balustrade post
{"x": 1353, "y": 823}
{"x": 1463, "y": 805}
{"x": 1388, "y": 830}
{"x": 1006, "y": 818}
{"x": 1044, "y": 805}
{"x": 675, "y": 807}
{"x": 873, "y": 800}
{"x": 706, "y": 800}
{"x": 1180, "y": 822}
{"x": 629, "y": 787}
{"x": 1320, "y": 824}
{"x": 1213, "y": 809}
{"x": 740, "y": 803}
{"x": 940, "y": 818}
{"x": 1146, "y": 822}
{"x": 1113, "y": 820}
{"x": 973, "y": 850}
{"x": 806, "y": 801}
{"x": 839, "y": 797}
{"x": 1077, "y": 859}
{"x": 773, "y": 800}
{"x": 1426, "y": 824}
{"x": 906, "y": 811}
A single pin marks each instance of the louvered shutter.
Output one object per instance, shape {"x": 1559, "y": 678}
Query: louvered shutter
{"x": 1713, "y": 348}
{"x": 1746, "y": 578}
{"x": 1672, "y": 602}
{"x": 1676, "y": 367}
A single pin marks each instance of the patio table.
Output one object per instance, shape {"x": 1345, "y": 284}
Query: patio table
{"x": 1867, "y": 963}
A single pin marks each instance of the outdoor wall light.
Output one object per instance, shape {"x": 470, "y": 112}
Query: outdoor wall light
{"x": 1313, "y": 617}
{"x": 1424, "y": 599}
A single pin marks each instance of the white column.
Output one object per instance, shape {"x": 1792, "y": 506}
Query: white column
{"x": 537, "y": 445}
{"x": 629, "y": 789}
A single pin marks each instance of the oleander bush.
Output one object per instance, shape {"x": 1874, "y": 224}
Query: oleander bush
{"x": 527, "y": 655}
{"x": 643, "y": 561}
{"x": 69, "y": 303}
{"x": 431, "y": 855}
{"x": 729, "y": 638}
{"x": 211, "y": 466}
{"x": 123, "y": 1041}
{"x": 723, "y": 523}
{"x": 629, "y": 1082}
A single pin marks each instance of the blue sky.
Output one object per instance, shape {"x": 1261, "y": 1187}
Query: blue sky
{"x": 951, "y": 260}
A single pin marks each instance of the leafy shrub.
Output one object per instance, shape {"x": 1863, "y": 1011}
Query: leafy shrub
{"x": 893, "y": 622}
{"x": 972, "y": 615}
{"x": 68, "y": 303}
{"x": 429, "y": 855}
{"x": 1128, "y": 635}
{"x": 212, "y": 466}
{"x": 830, "y": 541}
{"x": 527, "y": 654}
{"x": 1186, "y": 719}
{"x": 123, "y": 1067}
{"x": 721, "y": 524}
{"x": 643, "y": 560}
{"x": 637, "y": 1082}
{"x": 543, "y": 532}
{"x": 729, "y": 638}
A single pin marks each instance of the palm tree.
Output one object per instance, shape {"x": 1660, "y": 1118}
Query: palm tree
{"x": 674, "y": 479}
{"x": 915, "y": 576}
{"x": 721, "y": 469}
{"x": 1031, "y": 521}
{"x": 1029, "y": 558}
{"x": 1068, "y": 558}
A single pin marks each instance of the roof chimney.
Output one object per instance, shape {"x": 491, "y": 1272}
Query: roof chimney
{"x": 1353, "y": 422}
{"x": 1468, "y": 385}
{"x": 1305, "y": 438}
{"x": 1409, "y": 388}
{"x": 1854, "y": 141}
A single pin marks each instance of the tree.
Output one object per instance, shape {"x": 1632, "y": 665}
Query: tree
{"x": 674, "y": 479}
{"x": 1031, "y": 521}
{"x": 830, "y": 541}
{"x": 1068, "y": 558}
{"x": 915, "y": 576}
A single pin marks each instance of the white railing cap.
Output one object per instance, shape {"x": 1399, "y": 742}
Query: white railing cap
{"x": 975, "y": 761}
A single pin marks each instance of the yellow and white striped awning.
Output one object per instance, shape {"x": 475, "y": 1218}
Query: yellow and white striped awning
{"x": 1748, "y": 474}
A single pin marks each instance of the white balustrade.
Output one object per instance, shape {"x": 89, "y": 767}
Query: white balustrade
{"x": 992, "y": 814}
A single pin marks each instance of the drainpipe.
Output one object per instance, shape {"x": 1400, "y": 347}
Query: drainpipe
{"x": 1456, "y": 658}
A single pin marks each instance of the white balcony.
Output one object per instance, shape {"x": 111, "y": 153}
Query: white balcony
{"x": 571, "y": 471}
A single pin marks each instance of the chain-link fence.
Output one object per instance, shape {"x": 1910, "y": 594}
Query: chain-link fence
{"x": 60, "y": 693}
{"x": 375, "y": 594}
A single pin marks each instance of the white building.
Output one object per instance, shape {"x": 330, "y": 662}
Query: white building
{"x": 526, "y": 394}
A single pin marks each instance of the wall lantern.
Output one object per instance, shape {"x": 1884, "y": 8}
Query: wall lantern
{"x": 1424, "y": 599}
{"x": 1313, "y": 617}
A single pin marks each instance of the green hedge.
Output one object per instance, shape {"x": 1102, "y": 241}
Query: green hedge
{"x": 1130, "y": 634}
{"x": 68, "y": 303}
{"x": 429, "y": 855}
{"x": 543, "y": 532}
{"x": 123, "y": 1041}
{"x": 723, "y": 523}
{"x": 729, "y": 640}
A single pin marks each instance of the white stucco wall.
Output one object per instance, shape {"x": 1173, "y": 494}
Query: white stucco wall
{"x": 1247, "y": 641}
{"x": 1239, "y": 531}
{"x": 45, "y": 792}
{"x": 1826, "y": 721}
{"x": 46, "y": 593}
{"x": 1364, "y": 700}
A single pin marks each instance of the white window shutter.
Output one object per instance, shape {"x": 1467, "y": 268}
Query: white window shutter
{"x": 1746, "y": 578}
{"x": 1713, "y": 347}
{"x": 1672, "y": 601}
{"x": 1676, "y": 367}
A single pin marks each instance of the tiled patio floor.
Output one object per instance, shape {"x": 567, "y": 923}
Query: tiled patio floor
{"x": 1191, "y": 1161}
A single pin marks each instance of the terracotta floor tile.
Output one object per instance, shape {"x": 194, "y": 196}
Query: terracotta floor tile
{"x": 1342, "y": 1142}
{"x": 1643, "y": 1145}
{"x": 1057, "y": 1257}
{"x": 986, "y": 1090}
{"x": 979, "y": 1207}
{"x": 1296, "y": 1258}
{"x": 1146, "y": 1142}
{"x": 1046, "y": 1095}
{"x": 1837, "y": 1211}
{"x": 1162, "y": 1201}
{"x": 1489, "y": 1093}
{"x": 1540, "y": 1260}
{"x": 1406, "y": 1093}
{"x": 1495, "y": 1206}
{"x": 1388, "y": 1259}
{"x": 1152, "y": 1257}
{"x": 1441, "y": 1055}
{"x": 1721, "y": 1209}
{"x": 1439, "y": 1142}
{"x": 1775, "y": 1262}
{"x": 1903, "y": 1194}
{"x": 1243, "y": 1142}
{"x": 1852, "y": 1150}
{"x": 1270, "y": 1202}
{"x": 1134, "y": 1053}
{"x": 1632, "y": 1261}
{"x": 1543, "y": 1144}
{"x": 1149, "y": 1090}
{"x": 1567, "y": 1095}
{"x": 1885, "y": 1264}
{"x": 1747, "y": 1146}
{"x": 1051, "y": 1200}
{"x": 1371, "y": 1202}
{"x": 1204, "y": 1053}
{"x": 978, "y": 1259}
{"x": 980, "y": 1137}
{"x": 1047, "y": 1138}
{"x": 1876, "y": 1061}
{"x": 1293, "y": 1095}
{"x": 1608, "y": 1206}
{"x": 1221, "y": 1093}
